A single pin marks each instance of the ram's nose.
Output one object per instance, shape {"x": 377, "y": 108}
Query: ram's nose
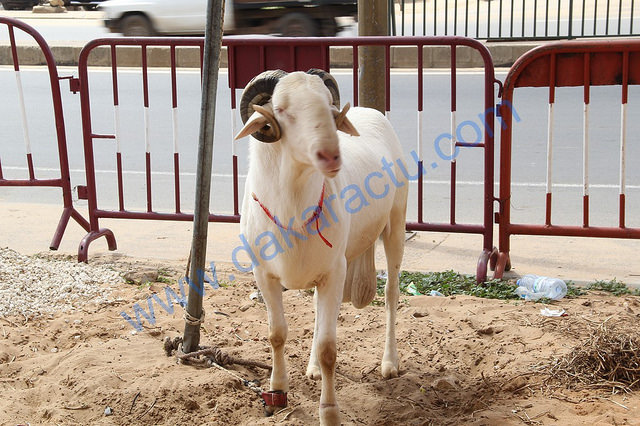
{"x": 329, "y": 161}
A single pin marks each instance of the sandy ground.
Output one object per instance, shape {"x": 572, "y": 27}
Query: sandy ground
{"x": 464, "y": 360}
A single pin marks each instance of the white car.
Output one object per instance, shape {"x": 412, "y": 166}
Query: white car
{"x": 161, "y": 17}
{"x": 188, "y": 17}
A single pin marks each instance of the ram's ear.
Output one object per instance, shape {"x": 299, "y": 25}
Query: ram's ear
{"x": 342, "y": 122}
{"x": 262, "y": 125}
{"x": 256, "y": 122}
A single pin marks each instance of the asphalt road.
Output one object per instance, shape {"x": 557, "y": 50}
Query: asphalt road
{"x": 77, "y": 26}
{"x": 529, "y": 152}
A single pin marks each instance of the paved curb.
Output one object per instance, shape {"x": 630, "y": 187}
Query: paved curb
{"x": 28, "y": 227}
{"x": 504, "y": 54}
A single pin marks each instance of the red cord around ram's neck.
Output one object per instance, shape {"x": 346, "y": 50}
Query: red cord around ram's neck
{"x": 314, "y": 218}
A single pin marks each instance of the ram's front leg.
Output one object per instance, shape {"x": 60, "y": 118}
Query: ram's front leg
{"x": 329, "y": 297}
{"x": 313, "y": 368}
{"x": 272, "y": 294}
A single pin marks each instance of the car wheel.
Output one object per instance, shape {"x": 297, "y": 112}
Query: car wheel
{"x": 14, "y": 5}
{"x": 136, "y": 26}
{"x": 329, "y": 28}
{"x": 297, "y": 25}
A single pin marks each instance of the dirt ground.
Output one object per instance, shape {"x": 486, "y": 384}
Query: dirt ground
{"x": 464, "y": 360}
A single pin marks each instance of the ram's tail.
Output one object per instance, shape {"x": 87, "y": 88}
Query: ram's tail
{"x": 360, "y": 283}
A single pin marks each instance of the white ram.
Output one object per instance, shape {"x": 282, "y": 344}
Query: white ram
{"x": 308, "y": 166}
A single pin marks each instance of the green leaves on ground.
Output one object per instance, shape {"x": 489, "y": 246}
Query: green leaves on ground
{"x": 451, "y": 283}
{"x": 615, "y": 287}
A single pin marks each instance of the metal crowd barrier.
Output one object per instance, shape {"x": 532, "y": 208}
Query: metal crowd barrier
{"x": 514, "y": 19}
{"x": 246, "y": 58}
{"x": 63, "y": 182}
{"x": 552, "y": 66}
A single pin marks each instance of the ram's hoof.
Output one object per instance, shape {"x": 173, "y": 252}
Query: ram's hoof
{"x": 270, "y": 410}
{"x": 313, "y": 372}
{"x": 389, "y": 370}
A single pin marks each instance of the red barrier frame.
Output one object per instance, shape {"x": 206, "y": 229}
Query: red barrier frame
{"x": 250, "y": 56}
{"x": 563, "y": 64}
{"x": 64, "y": 181}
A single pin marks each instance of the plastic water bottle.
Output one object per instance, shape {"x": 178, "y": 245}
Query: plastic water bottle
{"x": 533, "y": 287}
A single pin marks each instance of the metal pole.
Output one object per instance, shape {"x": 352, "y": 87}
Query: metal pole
{"x": 392, "y": 18}
{"x": 211, "y": 64}
{"x": 372, "y": 21}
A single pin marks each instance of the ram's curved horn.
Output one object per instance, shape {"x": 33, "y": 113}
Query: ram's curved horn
{"x": 258, "y": 92}
{"x": 331, "y": 84}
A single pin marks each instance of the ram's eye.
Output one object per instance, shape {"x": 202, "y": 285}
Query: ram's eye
{"x": 282, "y": 112}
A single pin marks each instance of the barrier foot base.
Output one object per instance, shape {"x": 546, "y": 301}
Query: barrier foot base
{"x": 503, "y": 265}
{"x": 83, "y": 249}
{"x": 487, "y": 258}
{"x": 68, "y": 212}
{"x": 493, "y": 259}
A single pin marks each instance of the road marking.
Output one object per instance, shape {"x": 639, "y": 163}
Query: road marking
{"x": 124, "y": 172}
{"x": 229, "y": 176}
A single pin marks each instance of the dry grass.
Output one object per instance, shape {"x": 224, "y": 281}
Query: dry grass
{"x": 609, "y": 358}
